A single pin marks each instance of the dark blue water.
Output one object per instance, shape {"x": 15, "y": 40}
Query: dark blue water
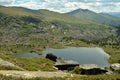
{"x": 83, "y": 55}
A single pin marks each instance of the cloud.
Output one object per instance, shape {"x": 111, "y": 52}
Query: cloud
{"x": 66, "y": 5}
{"x": 4, "y": 2}
{"x": 31, "y": 4}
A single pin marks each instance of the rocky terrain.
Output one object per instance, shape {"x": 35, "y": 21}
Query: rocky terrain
{"x": 32, "y": 74}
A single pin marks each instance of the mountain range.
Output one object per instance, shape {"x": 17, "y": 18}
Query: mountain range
{"x": 18, "y": 24}
{"x": 102, "y": 18}
{"x": 117, "y": 14}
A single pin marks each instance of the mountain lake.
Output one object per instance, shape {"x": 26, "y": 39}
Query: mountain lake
{"x": 82, "y": 55}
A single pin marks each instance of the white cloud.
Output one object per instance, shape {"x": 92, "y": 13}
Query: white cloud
{"x": 4, "y": 2}
{"x": 31, "y": 4}
{"x": 67, "y": 5}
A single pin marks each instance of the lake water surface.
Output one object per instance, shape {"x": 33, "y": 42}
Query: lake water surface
{"x": 83, "y": 55}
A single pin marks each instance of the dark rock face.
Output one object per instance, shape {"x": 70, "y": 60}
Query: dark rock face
{"x": 51, "y": 57}
{"x": 93, "y": 71}
{"x": 66, "y": 66}
{"x": 62, "y": 64}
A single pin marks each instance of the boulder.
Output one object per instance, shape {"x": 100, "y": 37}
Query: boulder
{"x": 91, "y": 69}
{"x": 62, "y": 64}
{"x": 51, "y": 57}
{"x": 115, "y": 66}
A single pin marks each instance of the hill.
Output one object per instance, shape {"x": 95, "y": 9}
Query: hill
{"x": 96, "y": 17}
{"x": 116, "y": 14}
{"x": 18, "y": 22}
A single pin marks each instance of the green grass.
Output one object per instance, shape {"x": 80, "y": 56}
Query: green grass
{"x": 34, "y": 64}
{"x": 113, "y": 76}
{"x": 96, "y": 17}
{"x": 30, "y": 64}
{"x": 9, "y": 68}
{"x": 114, "y": 53}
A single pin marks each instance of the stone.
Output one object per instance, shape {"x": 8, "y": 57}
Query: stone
{"x": 62, "y": 64}
{"x": 91, "y": 69}
{"x": 115, "y": 66}
{"x": 51, "y": 57}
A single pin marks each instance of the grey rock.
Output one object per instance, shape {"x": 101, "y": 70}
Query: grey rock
{"x": 115, "y": 66}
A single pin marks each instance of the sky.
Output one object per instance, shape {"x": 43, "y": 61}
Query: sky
{"x": 63, "y": 6}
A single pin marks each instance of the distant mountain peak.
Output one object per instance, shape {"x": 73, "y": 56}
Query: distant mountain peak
{"x": 96, "y": 17}
{"x": 116, "y": 14}
{"x": 79, "y": 11}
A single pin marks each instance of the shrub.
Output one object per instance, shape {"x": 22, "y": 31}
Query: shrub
{"x": 118, "y": 71}
{"x": 77, "y": 70}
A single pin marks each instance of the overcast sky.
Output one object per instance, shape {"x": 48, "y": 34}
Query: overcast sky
{"x": 66, "y": 5}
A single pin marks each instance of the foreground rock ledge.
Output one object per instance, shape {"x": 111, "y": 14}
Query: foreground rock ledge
{"x": 31, "y": 74}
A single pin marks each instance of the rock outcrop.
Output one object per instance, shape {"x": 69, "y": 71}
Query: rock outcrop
{"x": 51, "y": 57}
{"x": 115, "y": 66}
{"x": 62, "y": 64}
{"x": 91, "y": 69}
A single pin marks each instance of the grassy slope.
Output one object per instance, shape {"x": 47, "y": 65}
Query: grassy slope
{"x": 48, "y": 15}
{"x": 16, "y": 11}
{"x": 83, "y": 28}
{"x": 96, "y": 17}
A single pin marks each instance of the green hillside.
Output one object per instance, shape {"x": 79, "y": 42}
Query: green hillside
{"x": 96, "y": 17}
{"x": 24, "y": 30}
{"x": 28, "y": 22}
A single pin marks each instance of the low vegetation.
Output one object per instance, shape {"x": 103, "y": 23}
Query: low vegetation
{"x": 77, "y": 70}
{"x": 8, "y": 68}
{"x": 114, "y": 76}
{"x": 30, "y": 64}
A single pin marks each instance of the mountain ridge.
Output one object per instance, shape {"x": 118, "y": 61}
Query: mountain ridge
{"x": 24, "y": 22}
{"x": 96, "y": 17}
{"x": 116, "y": 14}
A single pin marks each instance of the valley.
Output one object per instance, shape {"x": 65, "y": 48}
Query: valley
{"x": 25, "y": 30}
